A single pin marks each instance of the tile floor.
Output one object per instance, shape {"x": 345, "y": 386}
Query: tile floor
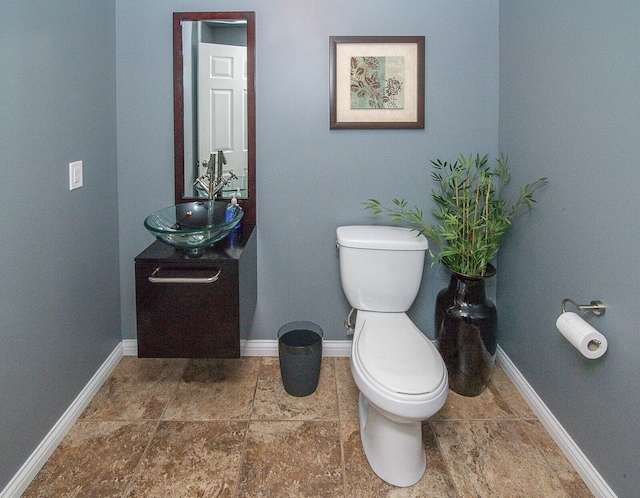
{"x": 226, "y": 428}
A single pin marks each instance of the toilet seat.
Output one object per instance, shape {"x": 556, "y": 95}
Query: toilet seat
{"x": 397, "y": 357}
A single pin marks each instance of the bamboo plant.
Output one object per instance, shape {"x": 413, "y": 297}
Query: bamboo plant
{"x": 471, "y": 212}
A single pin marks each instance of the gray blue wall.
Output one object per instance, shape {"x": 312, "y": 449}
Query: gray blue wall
{"x": 569, "y": 109}
{"x": 59, "y": 281}
{"x": 309, "y": 179}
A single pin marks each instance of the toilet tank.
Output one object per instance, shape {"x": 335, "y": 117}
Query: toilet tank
{"x": 381, "y": 266}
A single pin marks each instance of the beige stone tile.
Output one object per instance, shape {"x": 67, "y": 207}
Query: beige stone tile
{"x": 510, "y": 394}
{"x": 571, "y": 480}
{"x": 362, "y": 482}
{"x": 347, "y": 390}
{"x": 272, "y": 402}
{"x": 215, "y": 389}
{"x": 95, "y": 458}
{"x": 495, "y": 459}
{"x": 191, "y": 459}
{"x": 488, "y": 406}
{"x": 138, "y": 388}
{"x": 294, "y": 459}
{"x": 489, "y": 445}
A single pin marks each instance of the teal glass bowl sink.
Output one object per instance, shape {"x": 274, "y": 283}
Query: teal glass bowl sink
{"x": 192, "y": 226}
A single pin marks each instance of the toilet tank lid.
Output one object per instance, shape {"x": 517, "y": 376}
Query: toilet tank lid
{"x": 381, "y": 237}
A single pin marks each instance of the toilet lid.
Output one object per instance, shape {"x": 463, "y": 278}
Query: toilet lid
{"x": 394, "y": 353}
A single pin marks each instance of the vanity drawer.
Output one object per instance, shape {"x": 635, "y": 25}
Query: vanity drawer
{"x": 195, "y": 308}
{"x": 187, "y": 312}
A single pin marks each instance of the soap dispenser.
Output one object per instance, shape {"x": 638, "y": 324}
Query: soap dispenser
{"x": 232, "y": 210}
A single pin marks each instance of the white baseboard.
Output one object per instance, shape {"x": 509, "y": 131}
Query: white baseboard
{"x": 269, "y": 347}
{"x": 41, "y": 454}
{"x": 574, "y": 454}
{"x": 130, "y": 347}
{"x": 261, "y": 347}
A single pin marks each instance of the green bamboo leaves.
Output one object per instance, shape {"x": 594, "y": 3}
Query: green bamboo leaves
{"x": 471, "y": 212}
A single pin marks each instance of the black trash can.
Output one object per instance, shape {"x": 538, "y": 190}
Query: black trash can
{"x": 300, "y": 352}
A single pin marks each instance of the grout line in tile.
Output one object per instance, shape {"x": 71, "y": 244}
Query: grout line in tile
{"x": 340, "y": 434}
{"x": 243, "y": 458}
{"x": 136, "y": 469}
{"x": 205, "y": 420}
{"x": 255, "y": 388}
{"x": 444, "y": 460}
{"x": 236, "y": 492}
{"x": 175, "y": 390}
{"x": 468, "y": 419}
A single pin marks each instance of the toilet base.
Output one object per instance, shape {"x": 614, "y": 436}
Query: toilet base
{"x": 394, "y": 450}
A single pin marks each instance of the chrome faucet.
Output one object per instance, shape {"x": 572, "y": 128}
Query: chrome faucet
{"x": 216, "y": 180}
{"x": 221, "y": 162}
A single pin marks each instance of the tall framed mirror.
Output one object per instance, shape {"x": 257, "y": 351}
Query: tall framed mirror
{"x": 214, "y": 103}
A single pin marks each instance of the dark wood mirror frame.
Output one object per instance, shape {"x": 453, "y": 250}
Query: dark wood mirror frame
{"x": 248, "y": 203}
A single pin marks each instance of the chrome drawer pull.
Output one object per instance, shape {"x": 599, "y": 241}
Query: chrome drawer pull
{"x": 182, "y": 280}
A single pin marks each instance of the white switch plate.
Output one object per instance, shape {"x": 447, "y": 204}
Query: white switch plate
{"x": 75, "y": 175}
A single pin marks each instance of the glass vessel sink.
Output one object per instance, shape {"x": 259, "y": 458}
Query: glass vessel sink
{"x": 192, "y": 226}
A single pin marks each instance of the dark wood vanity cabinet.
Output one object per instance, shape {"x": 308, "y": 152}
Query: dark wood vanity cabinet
{"x": 196, "y": 307}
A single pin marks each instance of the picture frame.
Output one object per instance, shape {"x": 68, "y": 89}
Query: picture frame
{"x": 377, "y": 82}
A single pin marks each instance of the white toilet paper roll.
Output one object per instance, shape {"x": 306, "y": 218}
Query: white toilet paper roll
{"x": 591, "y": 343}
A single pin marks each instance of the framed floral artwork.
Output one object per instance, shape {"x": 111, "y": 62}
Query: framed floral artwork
{"x": 376, "y": 82}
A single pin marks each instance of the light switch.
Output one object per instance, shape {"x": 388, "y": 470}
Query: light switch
{"x": 75, "y": 175}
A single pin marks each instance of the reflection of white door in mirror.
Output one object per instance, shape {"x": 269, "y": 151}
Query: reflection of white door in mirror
{"x": 223, "y": 28}
{"x": 222, "y": 95}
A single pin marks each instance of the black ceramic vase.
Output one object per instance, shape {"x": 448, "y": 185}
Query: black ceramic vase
{"x": 466, "y": 332}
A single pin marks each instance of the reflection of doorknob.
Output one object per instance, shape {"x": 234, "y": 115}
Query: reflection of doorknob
{"x": 207, "y": 165}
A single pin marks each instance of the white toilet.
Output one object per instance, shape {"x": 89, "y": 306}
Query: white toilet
{"x": 400, "y": 374}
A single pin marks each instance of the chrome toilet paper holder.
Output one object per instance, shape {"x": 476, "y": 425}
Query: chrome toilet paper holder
{"x": 596, "y": 307}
